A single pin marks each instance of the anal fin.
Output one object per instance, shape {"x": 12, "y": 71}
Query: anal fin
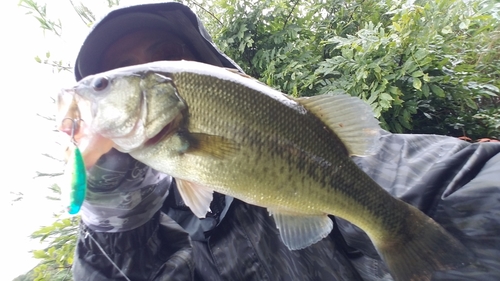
{"x": 299, "y": 231}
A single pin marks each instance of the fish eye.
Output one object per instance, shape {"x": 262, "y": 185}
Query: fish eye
{"x": 100, "y": 83}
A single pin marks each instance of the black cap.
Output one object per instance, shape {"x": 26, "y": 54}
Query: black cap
{"x": 171, "y": 16}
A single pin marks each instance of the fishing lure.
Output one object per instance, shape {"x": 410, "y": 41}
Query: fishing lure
{"x": 76, "y": 174}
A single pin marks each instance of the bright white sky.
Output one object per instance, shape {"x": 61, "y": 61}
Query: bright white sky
{"x": 27, "y": 88}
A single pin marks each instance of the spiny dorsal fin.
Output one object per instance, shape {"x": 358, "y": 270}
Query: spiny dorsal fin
{"x": 350, "y": 118}
{"x": 236, "y": 71}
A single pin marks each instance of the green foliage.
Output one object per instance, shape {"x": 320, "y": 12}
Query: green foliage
{"x": 271, "y": 40}
{"x": 58, "y": 65}
{"x": 281, "y": 42}
{"x": 57, "y": 257}
{"x": 424, "y": 66}
{"x": 39, "y": 12}
{"x": 85, "y": 14}
{"x": 423, "y": 57}
{"x": 29, "y": 276}
{"x": 60, "y": 238}
{"x": 112, "y": 3}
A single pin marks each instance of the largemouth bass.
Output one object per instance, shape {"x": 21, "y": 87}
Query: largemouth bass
{"x": 216, "y": 130}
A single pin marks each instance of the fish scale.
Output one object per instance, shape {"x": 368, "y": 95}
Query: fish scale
{"x": 216, "y": 130}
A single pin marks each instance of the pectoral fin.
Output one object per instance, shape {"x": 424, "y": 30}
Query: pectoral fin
{"x": 299, "y": 231}
{"x": 215, "y": 146}
{"x": 196, "y": 197}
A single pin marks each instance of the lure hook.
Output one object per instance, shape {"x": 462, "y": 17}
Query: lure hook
{"x": 74, "y": 128}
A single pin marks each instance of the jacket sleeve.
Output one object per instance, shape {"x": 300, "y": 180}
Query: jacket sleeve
{"x": 454, "y": 182}
{"x": 158, "y": 250}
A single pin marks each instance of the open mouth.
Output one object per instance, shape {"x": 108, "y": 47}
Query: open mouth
{"x": 92, "y": 145}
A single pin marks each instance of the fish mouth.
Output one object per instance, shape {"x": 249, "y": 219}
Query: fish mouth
{"x": 95, "y": 145}
{"x": 73, "y": 121}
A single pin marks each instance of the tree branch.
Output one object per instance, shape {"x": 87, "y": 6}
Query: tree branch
{"x": 206, "y": 11}
{"x": 290, "y": 14}
{"x": 40, "y": 174}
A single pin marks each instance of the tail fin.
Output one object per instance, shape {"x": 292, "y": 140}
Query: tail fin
{"x": 418, "y": 255}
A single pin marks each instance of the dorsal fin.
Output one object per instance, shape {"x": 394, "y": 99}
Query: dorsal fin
{"x": 244, "y": 75}
{"x": 350, "y": 118}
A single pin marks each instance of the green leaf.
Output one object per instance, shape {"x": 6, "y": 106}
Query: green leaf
{"x": 409, "y": 66}
{"x": 394, "y": 90}
{"x": 425, "y": 90}
{"x": 417, "y": 73}
{"x": 398, "y": 128}
{"x": 38, "y": 59}
{"x": 387, "y": 97}
{"x": 420, "y": 54}
{"x": 40, "y": 254}
{"x": 385, "y": 104}
{"x": 411, "y": 106}
{"x": 464, "y": 24}
{"x": 397, "y": 27}
{"x": 371, "y": 99}
{"x": 377, "y": 111}
{"x": 338, "y": 92}
{"x": 417, "y": 84}
{"x": 426, "y": 77}
{"x": 437, "y": 90}
{"x": 447, "y": 30}
{"x": 403, "y": 121}
{"x": 470, "y": 103}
